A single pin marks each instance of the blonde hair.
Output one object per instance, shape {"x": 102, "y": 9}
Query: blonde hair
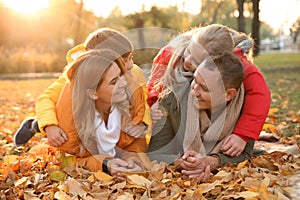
{"x": 215, "y": 39}
{"x": 87, "y": 72}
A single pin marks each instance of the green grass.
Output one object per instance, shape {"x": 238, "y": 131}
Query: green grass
{"x": 282, "y": 73}
{"x": 277, "y": 60}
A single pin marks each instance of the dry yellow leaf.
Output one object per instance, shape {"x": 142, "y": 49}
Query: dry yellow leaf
{"x": 242, "y": 165}
{"x": 273, "y": 110}
{"x": 103, "y": 177}
{"x": 226, "y": 176}
{"x": 62, "y": 196}
{"x": 139, "y": 180}
{"x": 7, "y": 160}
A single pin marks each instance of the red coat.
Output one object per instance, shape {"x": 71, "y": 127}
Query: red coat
{"x": 257, "y": 94}
{"x": 256, "y": 103}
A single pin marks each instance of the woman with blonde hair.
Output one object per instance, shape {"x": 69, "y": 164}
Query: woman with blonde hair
{"x": 92, "y": 108}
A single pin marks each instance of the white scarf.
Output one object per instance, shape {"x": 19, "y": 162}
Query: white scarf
{"x": 107, "y": 137}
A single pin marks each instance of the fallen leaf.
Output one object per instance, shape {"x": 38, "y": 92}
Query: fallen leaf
{"x": 103, "y": 177}
{"x": 75, "y": 188}
{"x": 57, "y": 176}
{"x": 139, "y": 180}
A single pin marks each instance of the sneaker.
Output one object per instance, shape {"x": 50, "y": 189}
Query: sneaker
{"x": 35, "y": 126}
{"x": 25, "y": 132}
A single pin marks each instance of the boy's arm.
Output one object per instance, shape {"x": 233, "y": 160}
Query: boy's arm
{"x": 46, "y": 102}
{"x": 138, "y": 76}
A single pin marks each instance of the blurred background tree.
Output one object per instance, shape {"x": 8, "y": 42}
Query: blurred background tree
{"x": 38, "y": 43}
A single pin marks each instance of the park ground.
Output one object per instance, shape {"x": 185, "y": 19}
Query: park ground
{"x": 41, "y": 174}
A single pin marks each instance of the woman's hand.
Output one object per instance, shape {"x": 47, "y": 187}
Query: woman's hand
{"x": 116, "y": 166}
{"x": 56, "y": 136}
{"x": 136, "y": 131}
{"x": 133, "y": 166}
{"x": 233, "y": 145}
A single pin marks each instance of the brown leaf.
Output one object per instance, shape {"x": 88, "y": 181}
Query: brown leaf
{"x": 75, "y": 188}
{"x": 264, "y": 163}
{"x": 139, "y": 180}
{"x": 226, "y": 176}
{"x": 62, "y": 195}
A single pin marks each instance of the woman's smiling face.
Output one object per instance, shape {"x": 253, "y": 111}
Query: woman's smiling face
{"x": 112, "y": 87}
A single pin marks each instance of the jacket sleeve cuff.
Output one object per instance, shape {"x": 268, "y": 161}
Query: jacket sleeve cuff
{"x": 245, "y": 138}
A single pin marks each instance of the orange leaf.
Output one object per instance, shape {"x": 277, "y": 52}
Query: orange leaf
{"x": 284, "y": 103}
{"x": 273, "y": 110}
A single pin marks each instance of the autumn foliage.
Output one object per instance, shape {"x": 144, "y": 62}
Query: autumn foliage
{"x": 38, "y": 171}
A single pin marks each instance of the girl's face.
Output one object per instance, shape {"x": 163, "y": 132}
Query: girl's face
{"x": 112, "y": 87}
{"x": 129, "y": 62}
{"x": 193, "y": 55}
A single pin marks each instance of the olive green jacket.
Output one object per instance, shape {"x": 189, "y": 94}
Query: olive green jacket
{"x": 166, "y": 143}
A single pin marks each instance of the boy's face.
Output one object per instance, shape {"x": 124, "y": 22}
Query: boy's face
{"x": 193, "y": 55}
{"x": 129, "y": 62}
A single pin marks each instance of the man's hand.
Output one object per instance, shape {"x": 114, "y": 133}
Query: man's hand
{"x": 233, "y": 145}
{"x": 194, "y": 165}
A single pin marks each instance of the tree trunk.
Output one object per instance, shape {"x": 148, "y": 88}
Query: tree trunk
{"x": 241, "y": 19}
{"x": 77, "y": 39}
{"x": 140, "y": 25}
{"x": 255, "y": 27}
{"x": 214, "y": 19}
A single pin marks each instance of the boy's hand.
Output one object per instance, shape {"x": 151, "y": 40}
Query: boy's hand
{"x": 156, "y": 113}
{"x": 56, "y": 136}
{"x": 233, "y": 145}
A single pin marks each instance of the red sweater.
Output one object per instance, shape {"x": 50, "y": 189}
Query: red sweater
{"x": 257, "y": 94}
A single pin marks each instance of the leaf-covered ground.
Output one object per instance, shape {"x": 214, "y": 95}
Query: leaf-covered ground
{"x": 37, "y": 171}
